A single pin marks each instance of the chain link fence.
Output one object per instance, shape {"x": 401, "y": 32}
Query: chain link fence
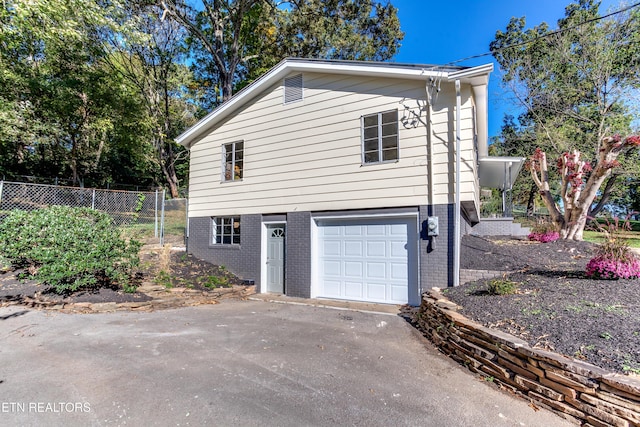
{"x": 174, "y": 222}
{"x": 143, "y": 214}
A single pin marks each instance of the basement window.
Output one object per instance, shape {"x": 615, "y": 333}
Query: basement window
{"x": 225, "y": 230}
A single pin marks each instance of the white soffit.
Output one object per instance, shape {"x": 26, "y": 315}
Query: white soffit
{"x": 499, "y": 172}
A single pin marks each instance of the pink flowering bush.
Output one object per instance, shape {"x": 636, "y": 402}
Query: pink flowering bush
{"x": 550, "y": 236}
{"x": 544, "y": 232}
{"x": 602, "y": 267}
{"x": 614, "y": 259}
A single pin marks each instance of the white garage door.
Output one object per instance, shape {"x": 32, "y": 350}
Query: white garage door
{"x": 369, "y": 260}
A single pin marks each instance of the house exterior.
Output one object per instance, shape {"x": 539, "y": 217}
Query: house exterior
{"x": 320, "y": 179}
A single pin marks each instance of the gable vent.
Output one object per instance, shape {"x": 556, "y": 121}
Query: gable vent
{"x": 293, "y": 89}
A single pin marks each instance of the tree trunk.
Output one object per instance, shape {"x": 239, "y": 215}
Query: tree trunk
{"x": 573, "y": 228}
{"x": 74, "y": 161}
{"x": 171, "y": 179}
{"x": 531, "y": 200}
{"x": 540, "y": 175}
{"x": 604, "y": 198}
{"x": 169, "y": 172}
{"x": 166, "y": 158}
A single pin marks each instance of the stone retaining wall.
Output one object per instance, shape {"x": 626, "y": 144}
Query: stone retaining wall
{"x": 578, "y": 391}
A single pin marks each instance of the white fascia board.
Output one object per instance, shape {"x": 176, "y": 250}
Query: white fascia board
{"x": 475, "y": 75}
{"x": 287, "y": 66}
{"x": 501, "y": 159}
{"x": 357, "y": 69}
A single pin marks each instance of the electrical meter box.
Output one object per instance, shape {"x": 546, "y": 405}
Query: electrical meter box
{"x": 432, "y": 226}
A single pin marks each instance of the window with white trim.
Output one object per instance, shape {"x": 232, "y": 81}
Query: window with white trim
{"x": 232, "y": 161}
{"x": 225, "y": 230}
{"x": 380, "y": 137}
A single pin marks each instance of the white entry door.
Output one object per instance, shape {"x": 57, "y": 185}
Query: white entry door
{"x": 371, "y": 260}
{"x": 275, "y": 258}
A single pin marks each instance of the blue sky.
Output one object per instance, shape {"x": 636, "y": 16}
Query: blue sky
{"x": 438, "y": 32}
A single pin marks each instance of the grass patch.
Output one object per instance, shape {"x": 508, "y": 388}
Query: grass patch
{"x": 164, "y": 279}
{"x": 502, "y": 286}
{"x": 632, "y": 237}
{"x": 174, "y": 225}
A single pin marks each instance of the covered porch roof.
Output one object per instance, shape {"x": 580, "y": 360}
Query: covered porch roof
{"x": 499, "y": 172}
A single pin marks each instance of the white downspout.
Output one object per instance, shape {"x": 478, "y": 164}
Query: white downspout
{"x": 456, "y": 211}
{"x": 430, "y": 199}
{"x": 430, "y": 186}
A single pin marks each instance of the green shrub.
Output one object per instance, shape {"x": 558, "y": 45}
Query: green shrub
{"x": 213, "y": 282}
{"x": 502, "y": 286}
{"x": 163, "y": 279}
{"x": 70, "y": 248}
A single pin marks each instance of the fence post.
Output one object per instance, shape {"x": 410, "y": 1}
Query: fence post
{"x": 1, "y": 185}
{"x": 162, "y": 220}
{"x": 93, "y": 199}
{"x": 155, "y": 223}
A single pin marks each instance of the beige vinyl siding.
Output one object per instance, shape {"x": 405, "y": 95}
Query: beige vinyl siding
{"x": 443, "y": 119}
{"x": 307, "y": 155}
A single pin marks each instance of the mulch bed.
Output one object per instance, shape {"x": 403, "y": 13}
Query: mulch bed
{"x": 183, "y": 271}
{"x": 15, "y": 289}
{"x": 556, "y": 307}
{"x": 196, "y": 274}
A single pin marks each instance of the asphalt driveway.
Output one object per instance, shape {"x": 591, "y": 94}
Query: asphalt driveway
{"x": 244, "y": 363}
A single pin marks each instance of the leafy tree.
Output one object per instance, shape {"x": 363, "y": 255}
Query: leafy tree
{"x": 338, "y": 29}
{"x": 235, "y": 41}
{"x": 150, "y": 58}
{"x": 92, "y": 91}
{"x": 60, "y": 105}
{"x": 516, "y": 140}
{"x": 575, "y": 85}
{"x": 97, "y": 91}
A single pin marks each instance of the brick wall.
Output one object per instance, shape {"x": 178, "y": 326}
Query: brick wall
{"x": 436, "y": 254}
{"x": 575, "y": 390}
{"x": 468, "y": 275}
{"x": 242, "y": 260}
{"x": 436, "y": 259}
{"x": 298, "y": 255}
{"x": 498, "y": 227}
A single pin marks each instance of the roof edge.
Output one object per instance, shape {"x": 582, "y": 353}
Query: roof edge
{"x": 376, "y": 69}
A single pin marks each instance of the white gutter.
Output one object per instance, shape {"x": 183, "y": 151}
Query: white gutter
{"x": 469, "y": 73}
{"x": 430, "y": 187}
{"x": 456, "y": 210}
